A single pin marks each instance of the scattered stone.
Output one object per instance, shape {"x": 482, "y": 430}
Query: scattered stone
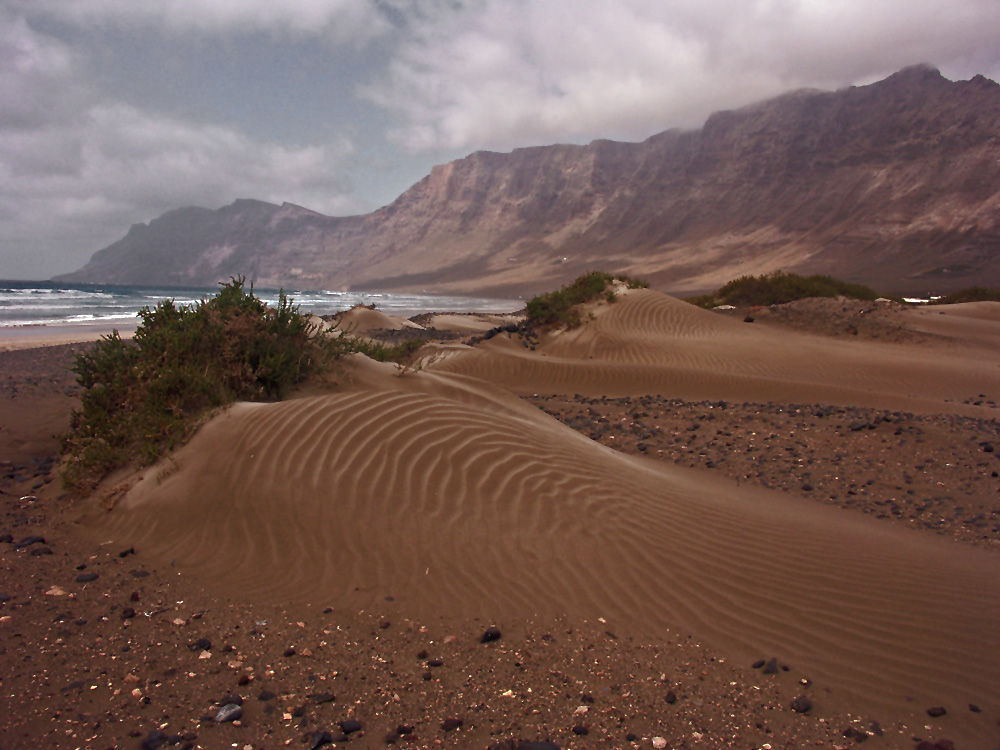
{"x": 758, "y": 664}
{"x": 28, "y": 541}
{"x": 974, "y": 708}
{"x": 154, "y": 740}
{"x": 289, "y": 652}
{"x": 936, "y": 711}
{"x": 266, "y": 695}
{"x": 4, "y": 598}
{"x": 580, "y": 730}
{"x": 40, "y": 551}
{"x": 671, "y": 697}
{"x": 202, "y": 644}
{"x": 229, "y": 712}
{"x": 128, "y": 613}
{"x": 349, "y": 726}
{"x": 321, "y": 698}
{"x": 318, "y": 739}
{"x": 450, "y": 724}
{"x": 771, "y": 667}
{"x": 659, "y": 743}
{"x": 6, "y": 539}
{"x": 491, "y": 634}
{"x": 127, "y": 552}
{"x": 801, "y": 705}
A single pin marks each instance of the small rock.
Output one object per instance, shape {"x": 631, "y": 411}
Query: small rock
{"x": 289, "y": 652}
{"x": 451, "y": 723}
{"x": 229, "y": 712}
{"x": 758, "y": 664}
{"x": 580, "y": 730}
{"x": 202, "y": 644}
{"x": 671, "y": 697}
{"x": 801, "y": 705}
{"x": 154, "y": 740}
{"x": 659, "y": 743}
{"x": 318, "y": 739}
{"x": 349, "y": 726}
{"x": 491, "y": 634}
{"x": 128, "y": 613}
{"x": 771, "y": 667}
{"x": 936, "y": 711}
{"x": 127, "y": 552}
{"x": 266, "y": 695}
{"x": 321, "y": 698}
{"x": 974, "y": 708}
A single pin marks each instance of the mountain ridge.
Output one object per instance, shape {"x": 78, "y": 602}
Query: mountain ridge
{"x": 895, "y": 184}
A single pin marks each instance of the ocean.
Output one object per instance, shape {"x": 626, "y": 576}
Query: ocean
{"x": 26, "y": 304}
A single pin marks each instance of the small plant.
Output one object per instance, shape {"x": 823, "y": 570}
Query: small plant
{"x": 779, "y": 288}
{"x": 559, "y": 307}
{"x": 971, "y": 294}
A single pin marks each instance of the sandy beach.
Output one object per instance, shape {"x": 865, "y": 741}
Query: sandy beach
{"x": 688, "y": 530}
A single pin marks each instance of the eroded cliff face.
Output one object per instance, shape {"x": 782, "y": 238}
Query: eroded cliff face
{"x": 896, "y": 184}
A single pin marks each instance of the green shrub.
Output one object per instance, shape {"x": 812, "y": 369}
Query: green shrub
{"x": 779, "y": 288}
{"x": 559, "y": 307}
{"x": 144, "y": 397}
{"x": 971, "y": 294}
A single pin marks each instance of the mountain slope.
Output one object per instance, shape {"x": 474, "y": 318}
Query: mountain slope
{"x": 896, "y": 184}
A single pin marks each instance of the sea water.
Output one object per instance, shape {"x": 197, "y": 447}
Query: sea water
{"x": 43, "y": 303}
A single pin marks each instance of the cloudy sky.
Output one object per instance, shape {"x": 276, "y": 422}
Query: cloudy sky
{"x": 115, "y": 111}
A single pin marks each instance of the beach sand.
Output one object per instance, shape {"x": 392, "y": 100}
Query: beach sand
{"x": 650, "y": 508}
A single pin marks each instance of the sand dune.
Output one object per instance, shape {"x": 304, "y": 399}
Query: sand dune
{"x": 651, "y": 343}
{"x": 452, "y": 496}
{"x": 362, "y": 319}
{"x": 455, "y": 498}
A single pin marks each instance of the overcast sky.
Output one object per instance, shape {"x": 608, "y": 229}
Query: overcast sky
{"x": 115, "y": 111}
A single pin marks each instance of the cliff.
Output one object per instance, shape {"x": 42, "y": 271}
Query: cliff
{"x": 895, "y": 184}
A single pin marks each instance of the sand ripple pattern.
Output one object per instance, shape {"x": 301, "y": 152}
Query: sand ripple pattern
{"x": 453, "y": 497}
{"x": 651, "y": 343}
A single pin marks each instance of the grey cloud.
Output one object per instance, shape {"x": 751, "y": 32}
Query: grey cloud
{"x": 504, "y": 73}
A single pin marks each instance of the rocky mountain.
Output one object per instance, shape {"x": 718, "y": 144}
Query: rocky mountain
{"x": 896, "y": 184}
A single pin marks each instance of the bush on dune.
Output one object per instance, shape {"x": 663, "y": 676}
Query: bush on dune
{"x": 780, "y": 288}
{"x": 559, "y": 307}
{"x": 971, "y": 294}
{"x": 145, "y": 396}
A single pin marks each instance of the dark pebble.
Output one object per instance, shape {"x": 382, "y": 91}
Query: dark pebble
{"x": 128, "y": 613}
{"x": 491, "y": 634}
{"x": 229, "y": 712}
{"x": 140, "y": 573}
{"x": 318, "y": 739}
{"x": 671, "y": 697}
{"x": 801, "y": 705}
{"x": 404, "y": 729}
{"x": 580, "y": 730}
{"x": 451, "y": 723}
{"x": 974, "y": 708}
{"x": 758, "y": 664}
{"x": 771, "y": 667}
{"x": 202, "y": 644}
{"x": 154, "y": 740}
{"x": 86, "y": 577}
{"x": 320, "y": 698}
{"x": 266, "y": 695}
{"x": 435, "y": 663}
{"x": 936, "y": 711}
{"x": 6, "y": 539}
{"x": 40, "y": 551}
{"x": 28, "y": 541}
{"x": 630, "y": 737}
{"x": 349, "y": 726}
{"x": 289, "y": 651}
{"x": 4, "y": 598}
{"x": 127, "y": 552}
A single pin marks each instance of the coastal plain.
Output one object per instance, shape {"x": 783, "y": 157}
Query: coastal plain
{"x": 687, "y": 529}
